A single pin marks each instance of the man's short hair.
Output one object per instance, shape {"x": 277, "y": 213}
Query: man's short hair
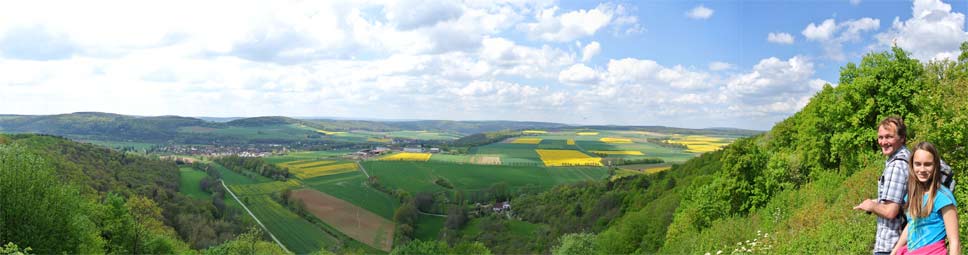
{"x": 898, "y": 124}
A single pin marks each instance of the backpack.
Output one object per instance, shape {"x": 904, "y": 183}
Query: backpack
{"x": 947, "y": 176}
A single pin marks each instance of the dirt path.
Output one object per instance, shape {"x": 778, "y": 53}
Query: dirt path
{"x": 253, "y": 217}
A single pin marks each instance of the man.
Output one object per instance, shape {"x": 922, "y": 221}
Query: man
{"x": 892, "y": 186}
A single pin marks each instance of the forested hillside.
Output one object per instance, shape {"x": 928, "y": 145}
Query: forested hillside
{"x": 61, "y": 196}
{"x": 791, "y": 189}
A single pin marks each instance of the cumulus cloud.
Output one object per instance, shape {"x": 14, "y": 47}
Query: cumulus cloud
{"x": 780, "y": 38}
{"x": 590, "y": 51}
{"x": 773, "y": 86}
{"x": 700, "y": 12}
{"x": 934, "y": 31}
{"x": 577, "y": 24}
{"x": 719, "y": 66}
{"x": 412, "y": 14}
{"x": 578, "y": 74}
{"x": 832, "y": 35}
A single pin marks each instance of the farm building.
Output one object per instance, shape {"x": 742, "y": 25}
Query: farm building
{"x": 501, "y": 206}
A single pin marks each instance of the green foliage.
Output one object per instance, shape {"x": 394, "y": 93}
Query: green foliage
{"x": 419, "y": 247}
{"x": 798, "y": 181}
{"x": 40, "y": 212}
{"x": 249, "y": 242}
{"x": 12, "y": 249}
{"x": 582, "y": 243}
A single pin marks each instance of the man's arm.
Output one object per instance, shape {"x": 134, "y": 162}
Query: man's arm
{"x": 887, "y": 209}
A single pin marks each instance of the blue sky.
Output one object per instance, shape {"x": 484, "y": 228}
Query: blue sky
{"x": 745, "y": 64}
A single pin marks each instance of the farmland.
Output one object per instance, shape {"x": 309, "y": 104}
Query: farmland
{"x": 568, "y": 158}
{"x": 299, "y": 235}
{"x": 407, "y": 156}
{"x": 360, "y": 224}
{"x": 416, "y": 176}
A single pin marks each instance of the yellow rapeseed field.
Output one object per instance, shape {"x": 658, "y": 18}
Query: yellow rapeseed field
{"x": 379, "y": 140}
{"x": 571, "y": 142}
{"x": 567, "y": 158}
{"x": 306, "y": 173}
{"x": 699, "y": 143}
{"x": 527, "y": 141}
{"x": 618, "y": 152}
{"x": 615, "y": 140}
{"x": 330, "y": 132}
{"x": 408, "y": 156}
{"x": 534, "y": 132}
{"x": 587, "y": 133}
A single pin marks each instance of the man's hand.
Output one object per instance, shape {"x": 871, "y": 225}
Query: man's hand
{"x": 867, "y": 205}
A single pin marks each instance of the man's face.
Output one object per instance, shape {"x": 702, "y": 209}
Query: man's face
{"x": 888, "y": 140}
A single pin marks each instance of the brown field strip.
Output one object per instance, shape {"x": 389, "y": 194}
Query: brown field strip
{"x": 355, "y": 222}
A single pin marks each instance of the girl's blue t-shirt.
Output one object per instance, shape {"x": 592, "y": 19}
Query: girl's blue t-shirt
{"x": 930, "y": 229}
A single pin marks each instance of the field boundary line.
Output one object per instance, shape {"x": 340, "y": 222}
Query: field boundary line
{"x": 255, "y": 218}
{"x": 363, "y": 169}
{"x": 431, "y": 214}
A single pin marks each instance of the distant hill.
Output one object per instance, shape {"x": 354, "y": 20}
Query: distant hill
{"x": 176, "y": 129}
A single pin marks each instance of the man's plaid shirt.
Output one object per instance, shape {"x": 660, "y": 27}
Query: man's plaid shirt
{"x": 892, "y": 186}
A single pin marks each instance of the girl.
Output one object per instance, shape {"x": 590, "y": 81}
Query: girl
{"x": 930, "y": 208}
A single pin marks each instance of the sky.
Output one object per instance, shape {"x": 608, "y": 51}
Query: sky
{"x": 694, "y": 64}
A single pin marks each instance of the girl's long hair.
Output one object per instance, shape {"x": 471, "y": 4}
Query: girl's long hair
{"x": 916, "y": 189}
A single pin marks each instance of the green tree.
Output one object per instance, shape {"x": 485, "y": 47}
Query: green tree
{"x": 577, "y": 243}
{"x": 37, "y": 211}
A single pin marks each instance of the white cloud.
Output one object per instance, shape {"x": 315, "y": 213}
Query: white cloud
{"x": 590, "y": 51}
{"x": 719, "y": 66}
{"x": 855, "y": 2}
{"x": 773, "y": 86}
{"x": 781, "y": 38}
{"x": 820, "y": 32}
{"x": 578, "y": 74}
{"x": 412, "y": 14}
{"x": 933, "y": 32}
{"x": 577, "y": 24}
{"x": 849, "y": 31}
{"x": 700, "y": 12}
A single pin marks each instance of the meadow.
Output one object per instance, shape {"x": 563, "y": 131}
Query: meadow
{"x": 189, "y": 179}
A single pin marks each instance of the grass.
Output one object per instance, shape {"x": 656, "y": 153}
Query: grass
{"x": 264, "y": 188}
{"x": 350, "y": 187}
{"x": 189, "y": 179}
{"x": 428, "y": 227}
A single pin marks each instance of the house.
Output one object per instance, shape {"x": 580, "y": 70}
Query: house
{"x": 434, "y": 150}
{"x": 412, "y": 149}
{"x": 501, "y": 206}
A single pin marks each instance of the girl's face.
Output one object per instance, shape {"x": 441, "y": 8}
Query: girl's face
{"x": 923, "y": 165}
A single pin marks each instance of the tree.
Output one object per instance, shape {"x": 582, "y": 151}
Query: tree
{"x": 38, "y": 211}
{"x": 577, "y": 243}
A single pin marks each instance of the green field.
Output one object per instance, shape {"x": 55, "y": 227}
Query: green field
{"x": 231, "y": 177}
{"x": 516, "y": 227}
{"x": 428, "y": 227}
{"x": 351, "y": 187}
{"x": 511, "y": 154}
{"x": 306, "y": 155}
{"x": 189, "y": 179}
{"x": 299, "y": 235}
{"x": 419, "y": 176}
